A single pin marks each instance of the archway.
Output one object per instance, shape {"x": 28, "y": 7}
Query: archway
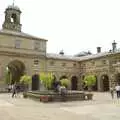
{"x": 35, "y": 82}
{"x": 95, "y": 87}
{"x": 63, "y": 77}
{"x": 15, "y": 69}
{"x": 117, "y": 77}
{"x": 74, "y": 82}
{"x": 105, "y": 82}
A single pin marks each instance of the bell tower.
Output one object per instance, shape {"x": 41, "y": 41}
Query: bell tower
{"x": 12, "y": 18}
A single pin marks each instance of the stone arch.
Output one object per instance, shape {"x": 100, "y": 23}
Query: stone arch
{"x": 15, "y": 69}
{"x": 63, "y": 77}
{"x": 74, "y": 83}
{"x": 104, "y": 82}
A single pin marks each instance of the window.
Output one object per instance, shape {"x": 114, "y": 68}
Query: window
{"x": 74, "y": 64}
{"x": 36, "y": 62}
{"x": 104, "y": 61}
{"x": 52, "y": 63}
{"x": 17, "y": 43}
{"x": 63, "y": 64}
{"x": 36, "y": 45}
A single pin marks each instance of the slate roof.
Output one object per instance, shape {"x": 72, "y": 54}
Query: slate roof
{"x": 82, "y": 58}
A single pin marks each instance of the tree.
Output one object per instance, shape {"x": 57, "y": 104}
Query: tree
{"x": 89, "y": 81}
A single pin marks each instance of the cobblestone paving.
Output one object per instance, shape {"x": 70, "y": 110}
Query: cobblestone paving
{"x": 102, "y": 107}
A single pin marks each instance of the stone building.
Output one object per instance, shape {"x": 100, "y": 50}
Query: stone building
{"x": 19, "y": 48}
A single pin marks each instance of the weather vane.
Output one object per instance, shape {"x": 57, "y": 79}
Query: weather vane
{"x": 13, "y": 2}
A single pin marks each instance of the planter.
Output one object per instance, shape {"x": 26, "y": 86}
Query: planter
{"x": 44, "y": 98}
{"x": 25, "y": 95}
{"x": 89, "y": 96}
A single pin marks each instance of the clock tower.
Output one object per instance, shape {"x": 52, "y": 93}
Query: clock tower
{"x": 12, "y": 18}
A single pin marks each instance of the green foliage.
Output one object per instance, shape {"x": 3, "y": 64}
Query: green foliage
{"x": 47, "y": 79}
{"x": 25, "y": 79}
{"x": 65, "y": 82}
{"x": 16, "y": 69}
{"x": 8, "y": 76}
{"x": 90, "y": 80}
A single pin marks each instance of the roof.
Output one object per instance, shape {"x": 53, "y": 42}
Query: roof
{"x": 13, "y": 7}
{"x": 19, "y": 34}
{"x": 82, "y": 58}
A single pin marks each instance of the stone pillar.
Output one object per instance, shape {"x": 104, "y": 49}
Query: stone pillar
{"x": 99, "y": 84}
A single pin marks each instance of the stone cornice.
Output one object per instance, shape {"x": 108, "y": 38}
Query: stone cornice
{"x": 25, "y": 55}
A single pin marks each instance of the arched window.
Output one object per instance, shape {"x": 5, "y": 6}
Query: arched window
{"x": 13, "y": 18}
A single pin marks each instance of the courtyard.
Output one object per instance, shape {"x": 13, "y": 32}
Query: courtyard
{"x": 102, "y": 107}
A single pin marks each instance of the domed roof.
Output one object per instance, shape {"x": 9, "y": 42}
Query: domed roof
{"x": 13, "y": 7}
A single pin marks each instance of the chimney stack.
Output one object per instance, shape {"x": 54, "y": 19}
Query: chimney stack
{"x": 98, "y": 49}
{"x": 114, "y": 47}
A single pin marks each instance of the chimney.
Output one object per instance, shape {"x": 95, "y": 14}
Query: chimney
{"x": 98, "y": 49}
{"x": 61, "y": 52}
{"x": 114, "y": 47}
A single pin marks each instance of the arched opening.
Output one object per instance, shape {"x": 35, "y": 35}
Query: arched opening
{"x": 117, "y": 77}
{"x": 13, "y": 18}
{"x": 63, "y": 77}
{"x": 14, "y": 70}
{"x": 35, "y": 82}
{"x": 74, "y": 82}
{"x": 95, "y": 87}
{"x": 105, "y": 82}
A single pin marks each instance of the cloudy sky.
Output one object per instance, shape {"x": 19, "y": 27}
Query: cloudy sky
{"x": 71, "y": 25}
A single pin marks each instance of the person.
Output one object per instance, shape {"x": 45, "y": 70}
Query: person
{"x": 117, "y": 88}
{"x": 14, "y": 90}
{"x": 112, "y": 92}
{"x": 9, "y": 88}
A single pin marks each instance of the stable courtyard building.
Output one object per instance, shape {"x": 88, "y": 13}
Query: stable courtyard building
{"x": 20, "y": 49}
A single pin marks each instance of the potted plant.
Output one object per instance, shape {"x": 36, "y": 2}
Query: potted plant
{"x": 25, "y": 80}
{"x": 89, "y": 81}
{"x": 44, "y": 98}
{"x": 65, "y": 82}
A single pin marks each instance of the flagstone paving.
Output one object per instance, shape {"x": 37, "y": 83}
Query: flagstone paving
{"x": 102, "y": 107}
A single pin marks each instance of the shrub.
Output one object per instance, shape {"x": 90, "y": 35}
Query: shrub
{"x": 47, "y": 79}
{"x": 25, "y": 79}
{"x": 65, "y": 82}
{"x": 89, "y": 80}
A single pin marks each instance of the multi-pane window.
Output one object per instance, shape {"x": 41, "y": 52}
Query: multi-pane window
{"x": 74, "y": 64}
{"x": 36, "y": 45}
{"x": 63, "y": 64}
{"x": 17, "y": 43}
{"x": 52, "y": 63}
{"x": 36, "y": 62}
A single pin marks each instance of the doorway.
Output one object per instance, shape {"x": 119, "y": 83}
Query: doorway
{"x": 74, "y": 82}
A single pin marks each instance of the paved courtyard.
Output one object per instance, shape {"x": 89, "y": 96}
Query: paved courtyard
{"x": 102, "y": 107}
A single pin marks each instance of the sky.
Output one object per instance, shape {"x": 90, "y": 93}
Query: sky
{"x": 70, "y": 25}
